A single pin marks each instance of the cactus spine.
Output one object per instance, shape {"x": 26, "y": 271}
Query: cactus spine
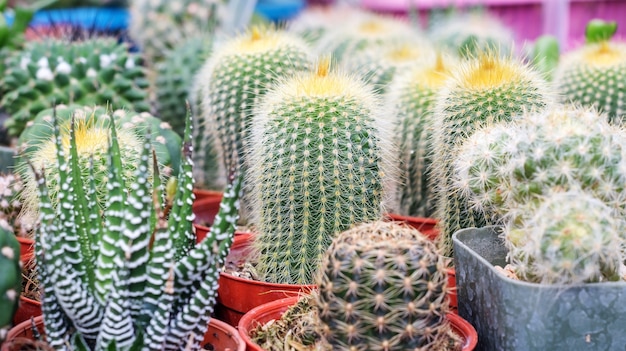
{"x": 483, "y": 91}
{"x": 382, "y": 286}
{"x": 320, "y": 161}
{"x": 10, "y": 279}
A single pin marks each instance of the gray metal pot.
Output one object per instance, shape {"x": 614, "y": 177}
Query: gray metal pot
{"x": 515, "y": 315}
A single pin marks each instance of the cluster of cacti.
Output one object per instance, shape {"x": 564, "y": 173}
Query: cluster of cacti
{"x": 320, "y": 160}
{"x": 412, "y": 95}
{"x": 594, "y": 75}
{"x": 11, "y": 186}
{"x": 10, "y": 279}
{"x": 482, "y": 91}
{"x": 382, "y": 286}
{"x": 97, "y": 71}
{"x": 129, "y": 278}
{"x": 91, "y": 126}
{"x": 233, "y": 80}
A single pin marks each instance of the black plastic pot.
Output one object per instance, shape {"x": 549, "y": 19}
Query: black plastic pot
{"x": 513, "y": 315}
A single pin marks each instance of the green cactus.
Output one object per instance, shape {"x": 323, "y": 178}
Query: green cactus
{"x": 545, "y": 55}
{"x": 382, "y": 286}
{"x": 10, "y": 279}
{"x": 320, "y": 161}
{"x": 482, "y": 91}
{"x": 594, "y": 75}
{"x": 129, "y": 278}
{"x": 413, "y": 96}
{"x": 91, "y": 126}
{"x": 571, "y": 238}
{"x": 97, "y": 71}
{"x": 232, "y": 81}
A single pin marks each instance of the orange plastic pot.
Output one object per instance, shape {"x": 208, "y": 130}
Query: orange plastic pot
{"x": 28, "y": 308}
{"x": 426, "y": 226}
{"x": 275, "y": 309}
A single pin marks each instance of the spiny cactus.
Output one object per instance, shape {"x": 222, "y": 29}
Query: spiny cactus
{"x": 382, "y": 286}
{"x": 413, "y": 95}
{"x": 95, "y": 71}
{"x": 320, "y": 160}
{"x": 482, "y": 91}
{"x": 131, "y": 278}
{"x": 233, "y": 80}
{"x": 594, "y": 75}
{"x": 10, "y": 279}
{"x": 91, "y": 126}
{"x": 571, "y": 238}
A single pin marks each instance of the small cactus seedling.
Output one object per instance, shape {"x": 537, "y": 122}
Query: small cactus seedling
{"x": 382, "y": 286}
{"x": 320, "y": 160}
{"x": 10, "y": 279}
{"x": 482, "y": 91}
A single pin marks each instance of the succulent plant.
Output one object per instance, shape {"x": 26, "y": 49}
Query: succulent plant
{"x": 95, "y": 71}
{"x": 594, "y": 75}
{"x": 482, "y": 91}
{"x": 91, "y": 126}
{"x": 382, "y": 286}
{"x": 131, "y": 278}
{"x": 10, "y": 279}
{"x": 321, "y": 159}
{"x": 11, "y": 186}
{"x": 545, "y": 55}
{"x": 233, "y": 80}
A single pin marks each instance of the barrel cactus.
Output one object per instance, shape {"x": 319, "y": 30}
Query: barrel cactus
{"x": 382, "y": 286}
{"x": 10, "y": 279}
{"x": 482, "y": 91}
{"x": 129, "y": 278}
{"x": 320, "y": 160}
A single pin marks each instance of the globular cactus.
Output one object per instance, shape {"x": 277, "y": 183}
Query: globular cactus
{"x": 482, "y": 91}
{"x": 95, "y": 71}
{"x": 10, "y": 279}
{"x": 232, "y": 81}
{"x": 412, "y": 95}
{"x": 321, "y": 159}
{"x": 11, "y": 187}
{"x": 91, "y": 125}
{"x": 382, "y": 286}
{"x": 571, "y": 238}
{"x": 594, "y": 76}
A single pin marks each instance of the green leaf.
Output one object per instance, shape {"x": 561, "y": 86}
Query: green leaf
{"x": 599, "y": 30}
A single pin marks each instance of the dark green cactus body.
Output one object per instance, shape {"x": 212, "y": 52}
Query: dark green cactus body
{"x": 382, "y": 286}
{"x": 10, "y": 279}
{"x": 90, "y": 72}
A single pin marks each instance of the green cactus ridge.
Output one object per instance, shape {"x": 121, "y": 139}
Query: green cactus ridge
{"x": 480, "y": 92}
{"x": 571, "y": 238}
{"x": 97, "y": 71}
{"x": 382, "y": 286}
{"x": 320, "y": 161}
{"x": 11, "y": 278}
{"x": 594, "y": 76}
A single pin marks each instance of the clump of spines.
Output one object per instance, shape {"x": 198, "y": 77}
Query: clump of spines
{"x": 320, "y": 160}
{"x": 382, "y": 286}
{"x": 10, "y": 279}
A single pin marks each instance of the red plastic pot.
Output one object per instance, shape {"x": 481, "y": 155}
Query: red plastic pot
{"x": 27, "y": 249}
{"x": 202, "y": 194}
{"x": 426, "y": 226}
{"x": 27, "y": 308}
{"x": 220, "y": 335}
{"x": 275, "y": 309}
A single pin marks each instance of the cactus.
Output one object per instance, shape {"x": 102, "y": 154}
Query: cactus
{"x": 382, "y": 286}
{"x": 91, "y": 126}
{"x": 129, "y": 278}
{"x": 88, "y": 72}
{"x": 412, "y": 96}
{"x": 320, "y": 160}
{"x": 571, "y": 238}
{"x": 232, "y": 81}
{"x": 594, "y": 75}
{"x": 11, "y": 186}
{"x": 483, "y": 91}
{"x": 10, "y": 279}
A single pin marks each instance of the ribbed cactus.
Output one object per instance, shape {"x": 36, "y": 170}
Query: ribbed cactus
{"x": 233, "y": 79}
{"x": 571, "y": 238}
{"x": 91, "y": 126}
{"x": 594, "y": 75}
{"x": 96, "y": 71}
{"x": 382, "y": 286}
{"x": 129, "y": 278}
{"x": 482, "y": 91}
{"x": 10, "y": 279}
{"x": 412, "y": 95}
{"x": 320, "y": 160}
